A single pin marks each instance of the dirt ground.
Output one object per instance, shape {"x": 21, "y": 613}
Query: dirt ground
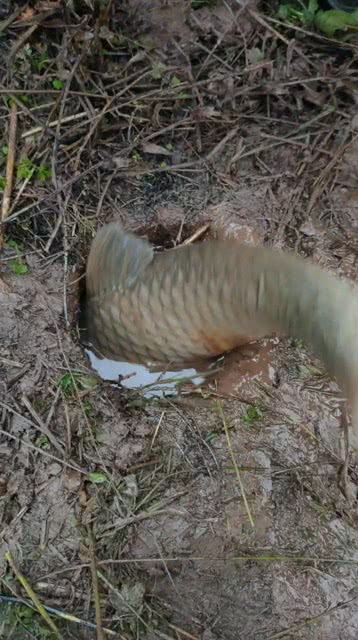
{"x": 214, "y": 513}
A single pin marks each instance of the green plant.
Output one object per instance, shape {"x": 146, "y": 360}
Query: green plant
{"x": 25, "y": 168}
{"x": 251, "y": 414}
{"x": 42, "y": 442}
{"x": 76, "y": 379}
{"x": 175, "y": 82}
{"x": 57, "y": 84}
{"x": 17, "y": 265}
{"x": 39, "y": 59}
{"x": 328, "y": 21}
{"x": 136, "y": 156}
{"x": 43, "y": 172}
{"x": 158, "y": 69}
{"x": 26, "y": 621}
{"x": 97, "y": 478}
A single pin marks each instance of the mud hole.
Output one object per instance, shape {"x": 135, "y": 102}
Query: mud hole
{"x": 152, "y": 481}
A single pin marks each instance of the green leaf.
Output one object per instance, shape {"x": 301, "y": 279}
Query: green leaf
{"x": 309, "y": 13}
{"x": 97, "y": 478}
{"x": 158, "y": 69}
{"x": 69, "y": 381}
{"x": 251, "y": 414}
{"x": 312, "y": 6}
{"x": 331, "y": 21}
{"x": 24, "y": 99}
{"x": 43, "y": 442}
{"x": 18, "y": 267}
{"x": 175, "y": 82}
{"x": 2, "y": 183}
{"x": 43, "y": 172}
{"x": 298, "y": 12}
{"x": 136, "y": 156}
{"x": 88, "y": 382}
{"x": 57, "y": 84}
{"x": 15, "y": 245}
{"x": 25, "y": 168}
{"x": 289, "y": 12}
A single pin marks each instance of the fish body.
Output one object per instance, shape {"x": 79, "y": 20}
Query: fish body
{"x": 200, "y": 300}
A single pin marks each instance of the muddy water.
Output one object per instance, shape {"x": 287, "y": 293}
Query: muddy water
{"x": 243, "y": 369}
{"x": 144, "y": 377}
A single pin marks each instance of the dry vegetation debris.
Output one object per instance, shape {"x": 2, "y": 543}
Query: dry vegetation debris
{"x": 128, "y": 513}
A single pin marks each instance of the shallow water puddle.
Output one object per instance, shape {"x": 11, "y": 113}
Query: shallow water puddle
{"x": 151, "y": 381}
{"x": 233, "y": 374}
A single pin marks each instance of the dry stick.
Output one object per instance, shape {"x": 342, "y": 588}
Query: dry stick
{"x": 95, "y": 585}
{"x": 63, "y": 202}
{"x": 10, "y": 164}
{"x": 182, "y": 632}
{"x": 318, "y": 186}
{"x": 65, "y": 186}
{"x": 113, "y": 589}
{"x": 197, "y": 234}
{"x": 79, "y": 400}
{"x": 54, "y": 123}
{"x": 44, "y": 453}
{"x": 54, "y": 92}
{"x": 156, "y": 430}
{"x": 8, "y": 21}
{"x": 289, "y": 631}
{"x": 183, "y": 559}
{"x": 41, "y": 425}
{"x": 53, "y": 233}
{"x": 95, "y": 121}
{"x": 219, "y": 147}
{"x": 103, "y": 195}
{"x": 23, "y": 110}
{"x": 263, "y": 23}
{"x": 32, "y": 446}
{"x": 21, "y": 41}
{"x": 61, "y": 614}
{"x": 238, "y": 475}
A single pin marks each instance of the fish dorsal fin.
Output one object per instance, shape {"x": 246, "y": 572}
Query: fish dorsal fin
{"x": 116, "y": 261}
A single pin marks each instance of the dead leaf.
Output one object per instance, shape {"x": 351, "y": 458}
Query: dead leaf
{"x": 72, "y": 480}
{"x": 27, "y": 14}
{"x": 47, "y": 5}
{"x": 4, "y": 287}
{"x": 155, "y": 149}
{"x": 317, "y": 98}
{"x": 121, "y": 163}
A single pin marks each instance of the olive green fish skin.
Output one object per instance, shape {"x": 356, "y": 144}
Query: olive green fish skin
{"x": 202, "y": 299}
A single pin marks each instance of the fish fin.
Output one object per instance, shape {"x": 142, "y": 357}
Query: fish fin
{"x": 116, "y": 261}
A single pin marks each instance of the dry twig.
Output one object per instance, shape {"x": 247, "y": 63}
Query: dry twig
{"x": 10, "y": 165}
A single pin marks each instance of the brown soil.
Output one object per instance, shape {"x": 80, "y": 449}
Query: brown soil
{"x": 185, "y": 546}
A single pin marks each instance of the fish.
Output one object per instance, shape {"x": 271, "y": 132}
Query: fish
{"x": 201, "y": 300}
